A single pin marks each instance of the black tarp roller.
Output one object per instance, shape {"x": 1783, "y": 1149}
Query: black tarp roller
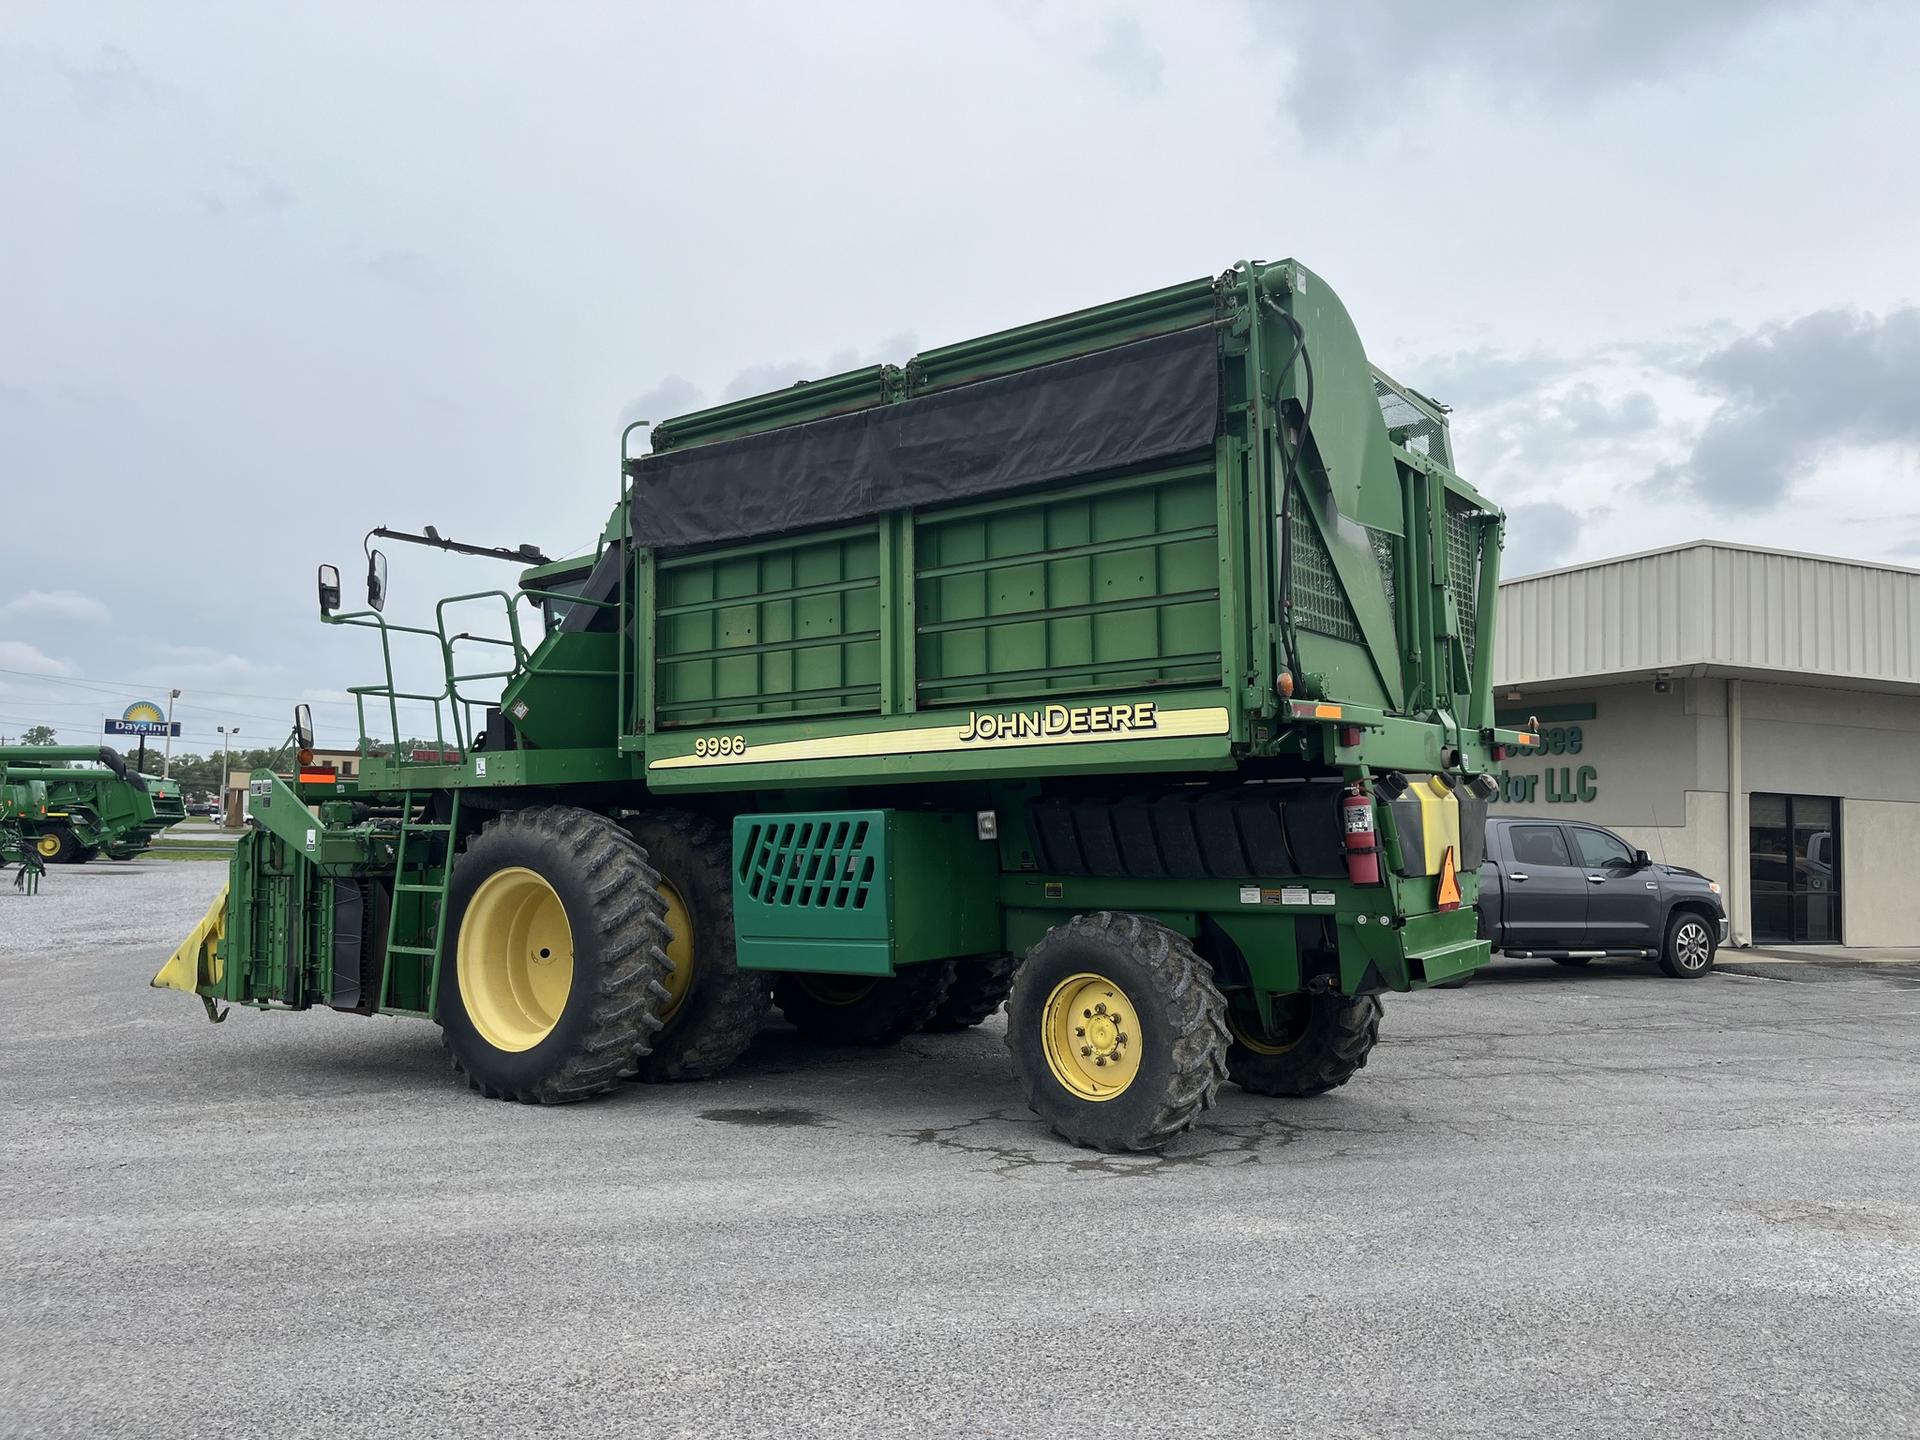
{"x": 1138, "y": 402}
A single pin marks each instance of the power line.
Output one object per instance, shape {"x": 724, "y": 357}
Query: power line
{"x": 114, "y": 687}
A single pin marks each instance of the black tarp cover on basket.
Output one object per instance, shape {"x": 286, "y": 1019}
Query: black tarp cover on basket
{"x": 1142, "y": 401}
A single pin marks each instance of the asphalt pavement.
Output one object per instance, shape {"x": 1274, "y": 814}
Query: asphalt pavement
{"x": 1557, "y": 1203}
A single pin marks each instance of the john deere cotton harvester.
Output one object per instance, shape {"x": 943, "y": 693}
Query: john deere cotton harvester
{"x": 1124, "y": 667}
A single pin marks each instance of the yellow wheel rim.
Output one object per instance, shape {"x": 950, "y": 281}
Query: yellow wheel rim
{"x": 1090, "y": 1032}
{"x": 679, "y": 949}
{"x": 1290, "y": 1016}
{"x": 515, "y": 959}
{"x": 48, "y": 845}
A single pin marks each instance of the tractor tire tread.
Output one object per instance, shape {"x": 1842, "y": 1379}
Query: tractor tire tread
{"x": 1322, "y": 1061}
{"x": 980, "y": 987}
{"x": 625, "y": 1003}
{"x": 1194, "y": 1008}
{"x": 712, "y": 1030}
{"x": 893, "y": 1009}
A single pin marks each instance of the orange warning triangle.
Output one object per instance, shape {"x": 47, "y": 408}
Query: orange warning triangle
{"x": 1447, "y": 894}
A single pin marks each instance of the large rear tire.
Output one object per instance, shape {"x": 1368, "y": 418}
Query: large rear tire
{"x": 551, "y": 980}
{"x": 713, "y": 1007}
{"x": 1316, "y": 1043}
{"x": 980, "y": 987}
{"x": 1117, "y": 1032}
{"x": 864, "y": 1009}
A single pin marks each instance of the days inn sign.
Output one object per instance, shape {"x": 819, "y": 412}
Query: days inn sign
{"x": 142, "y": 718}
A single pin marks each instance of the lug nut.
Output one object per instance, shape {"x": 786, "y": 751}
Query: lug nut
{"x": 1115, "y": 1057}
{"x": 1101, "y": 1008}
{"x": 1101, "y": 1061}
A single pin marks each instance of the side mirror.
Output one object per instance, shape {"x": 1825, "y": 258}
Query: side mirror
{"x": 303, "y": 727}
{"x": 329, "y": 589}
{"x": 1641, "y": 860}
{"x": 377, "y": 580}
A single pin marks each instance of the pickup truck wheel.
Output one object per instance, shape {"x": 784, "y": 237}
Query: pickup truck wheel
{"x": 1688, "y": 953}
{"x": 550, "y": 982}
{"x": 1315, "y": 1043}
{"x": 980, "y": 987}
{"x": 713, "y": 1007}
{"x": 1117, "y": 1032}
{"x": 864, "y": 1009}
{"x": 1572, "y": 962}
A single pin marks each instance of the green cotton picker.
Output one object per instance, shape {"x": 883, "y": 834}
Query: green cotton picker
{"x": 96, "y": 805}
{"x": 1127, "y": 668}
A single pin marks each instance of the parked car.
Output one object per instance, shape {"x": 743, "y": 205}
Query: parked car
{"x": 1571, "y": 892}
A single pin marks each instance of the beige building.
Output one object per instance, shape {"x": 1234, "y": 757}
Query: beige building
{"x": 344, "y": 763}
{"x": 1752, "y": 714}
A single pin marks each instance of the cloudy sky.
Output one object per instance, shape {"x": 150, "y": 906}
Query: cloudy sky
{"x": 273, "y": 274}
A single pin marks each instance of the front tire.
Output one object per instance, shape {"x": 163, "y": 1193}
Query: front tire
{"x": 1688, "y": 953}
{"x": 713, "y": 1007}
{"x": 864, "y": 1009}
{"x": 59, "y": 847}
{"x": 551, "y": 980}
{"x": 1117, "y": 1032}
{"x": 1316, "y": 1043}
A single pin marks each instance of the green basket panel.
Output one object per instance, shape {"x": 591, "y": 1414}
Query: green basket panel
{"x": 791, "y": 628}
{"x": 1113, "y": 589}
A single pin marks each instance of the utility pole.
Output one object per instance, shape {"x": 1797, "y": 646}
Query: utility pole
{"x": 166, "y": 756}
{"x": 226, "y": 740}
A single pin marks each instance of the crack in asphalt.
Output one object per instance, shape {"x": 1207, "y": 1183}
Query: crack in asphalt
{"x": 1211, "y": 1144}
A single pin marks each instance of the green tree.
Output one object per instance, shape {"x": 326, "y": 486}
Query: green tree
{"x": 39, "y": 735}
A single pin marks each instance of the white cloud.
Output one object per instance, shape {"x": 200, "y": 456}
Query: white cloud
{"x": 67, "y": 605}
{"x": 18, "y": 655}
{"x": 203, "y": 667}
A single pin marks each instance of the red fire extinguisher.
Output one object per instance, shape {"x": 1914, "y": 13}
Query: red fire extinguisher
{"x": 1363, "y": 850}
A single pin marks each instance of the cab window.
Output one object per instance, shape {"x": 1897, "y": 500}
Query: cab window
{"x": 1538, "y": 845}
{"x": 1600, "y": 850}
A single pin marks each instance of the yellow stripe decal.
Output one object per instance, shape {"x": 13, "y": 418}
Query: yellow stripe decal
{"x": 983, "y": 730}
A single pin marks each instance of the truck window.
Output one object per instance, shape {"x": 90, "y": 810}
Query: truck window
{"x": 1538, "y": 845}
{"x": 1598, "y": 849}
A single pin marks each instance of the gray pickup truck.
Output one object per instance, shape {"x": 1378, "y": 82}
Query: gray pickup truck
{"x": 1570, "y": 893}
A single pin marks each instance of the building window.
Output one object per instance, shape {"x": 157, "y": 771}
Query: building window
{"x": 1793, "y": 845}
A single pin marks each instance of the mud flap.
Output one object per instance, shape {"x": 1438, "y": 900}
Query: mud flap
{"x": 197, "y": 964}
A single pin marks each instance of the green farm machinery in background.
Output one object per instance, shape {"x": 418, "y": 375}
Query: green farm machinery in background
{"x": 1128, "y": 668}
{"x": 95, "y": 804}
{"x": 22, "y": 803}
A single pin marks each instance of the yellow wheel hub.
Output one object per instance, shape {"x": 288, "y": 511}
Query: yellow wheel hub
{"x": 48, "y": 846}
{"x": 1290, "y": 1016}
{"x": 679, "y": 949}
{"x": 1090, "y": 1032}
{"x": 515, "y": 959}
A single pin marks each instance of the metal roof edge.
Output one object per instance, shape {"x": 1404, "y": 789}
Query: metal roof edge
{"x": 1709, "y": 545}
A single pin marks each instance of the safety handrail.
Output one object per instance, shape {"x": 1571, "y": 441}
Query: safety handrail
{"x": 459, "y": 705}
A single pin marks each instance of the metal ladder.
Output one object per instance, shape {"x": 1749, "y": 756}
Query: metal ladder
{"x": 427, "y": 878}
